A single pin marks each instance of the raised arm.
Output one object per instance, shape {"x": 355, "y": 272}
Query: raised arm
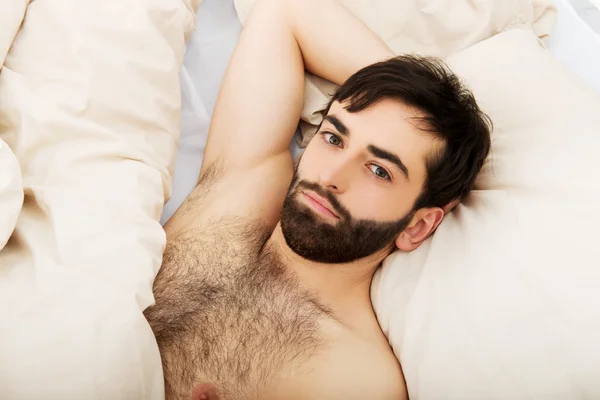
{"x": 247, "y": 166}
{"x": 262, "y": 93}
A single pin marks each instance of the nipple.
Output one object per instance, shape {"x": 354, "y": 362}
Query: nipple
{"x": 205, "y": 391}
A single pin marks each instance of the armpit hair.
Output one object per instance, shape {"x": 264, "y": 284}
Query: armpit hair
{"x": 208, "y": 177}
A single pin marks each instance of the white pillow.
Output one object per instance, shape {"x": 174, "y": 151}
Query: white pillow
{"x": 433, "y": 27}
{"x": 503, "y": 302}
{"x": 90, "y": 105}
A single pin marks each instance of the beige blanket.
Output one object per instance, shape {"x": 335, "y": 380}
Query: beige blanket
{"x": 89, "y": 125}
{"x": 11, "y": 190}
{"x": 433, "y": 27}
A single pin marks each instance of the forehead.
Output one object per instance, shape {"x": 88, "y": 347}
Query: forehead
{"x": 393, "y": 126}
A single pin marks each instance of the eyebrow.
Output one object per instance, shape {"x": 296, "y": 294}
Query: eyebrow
{"x": 339, "y": 125}
{"x": 374, "y": 150}
{"x": 391, "y": 157}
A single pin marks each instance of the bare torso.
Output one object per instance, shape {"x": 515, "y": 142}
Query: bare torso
{"x": 232, "y": 319}
{"x": 256, "y": 333}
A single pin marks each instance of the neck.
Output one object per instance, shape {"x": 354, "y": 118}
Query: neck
{"x": 341, "y": 286}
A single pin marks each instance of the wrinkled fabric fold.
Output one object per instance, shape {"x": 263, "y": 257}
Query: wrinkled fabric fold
{"x": 90, "y": 105}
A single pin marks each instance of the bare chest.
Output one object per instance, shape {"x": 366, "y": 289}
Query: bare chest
{"x": 248, "y": 324}
{"x": 238, "y": 321}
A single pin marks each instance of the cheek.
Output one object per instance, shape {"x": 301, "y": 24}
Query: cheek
{"x": 310, "y": 161}
{"x": 367, "y": 202}
{"x": 372, "y": 201}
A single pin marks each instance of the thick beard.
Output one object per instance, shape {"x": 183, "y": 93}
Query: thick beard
{"x": 345, "y": 241}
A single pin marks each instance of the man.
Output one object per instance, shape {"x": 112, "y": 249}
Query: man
{"x": 264, "y": 288}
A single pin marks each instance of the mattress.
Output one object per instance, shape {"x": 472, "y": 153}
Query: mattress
{"x": 573, "y": 42}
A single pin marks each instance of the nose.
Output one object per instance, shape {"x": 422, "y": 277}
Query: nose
{"x": 335, "y": 175}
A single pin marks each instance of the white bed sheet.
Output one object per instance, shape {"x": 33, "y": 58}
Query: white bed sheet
{"x": 207, "y": 54}
{"x": 573, "y": 42}
{"x": 589, "y": 11}
{"x": 576, "y": 44}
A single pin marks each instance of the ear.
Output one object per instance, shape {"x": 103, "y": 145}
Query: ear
{"x": 423, "y": 224}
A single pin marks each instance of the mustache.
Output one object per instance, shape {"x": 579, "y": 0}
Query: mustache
{"x": 338, "y": 208}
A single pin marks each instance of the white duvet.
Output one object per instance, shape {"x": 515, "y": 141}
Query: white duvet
{"x": 89, "y": 107}
{"x": 495, "y": 306}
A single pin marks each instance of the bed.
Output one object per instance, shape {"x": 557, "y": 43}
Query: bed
{"x": 572, "y": 42}
{"x": 78, "y": 257}
{"x": 437, "y": 366}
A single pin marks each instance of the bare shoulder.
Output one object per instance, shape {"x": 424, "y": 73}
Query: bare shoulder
{"x": 389, "y": 374}
{"x": 353, "y": 368}
{"x": 373, "y": 363}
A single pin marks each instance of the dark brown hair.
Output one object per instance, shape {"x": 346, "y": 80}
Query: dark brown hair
{"x": 450, "y": 114}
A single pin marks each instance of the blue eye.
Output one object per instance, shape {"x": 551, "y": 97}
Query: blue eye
{"x": 380, "y": 172}
{"x": 331, "y": 139}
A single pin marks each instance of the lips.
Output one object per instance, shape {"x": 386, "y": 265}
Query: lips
{"x": 320, "y": 204}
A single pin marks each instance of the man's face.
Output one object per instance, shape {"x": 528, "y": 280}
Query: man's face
{"x": 354, "y": 188}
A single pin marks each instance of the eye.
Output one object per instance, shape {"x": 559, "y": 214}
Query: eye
{"x": 380, "y": 172}
{"x": 331, "y": 139}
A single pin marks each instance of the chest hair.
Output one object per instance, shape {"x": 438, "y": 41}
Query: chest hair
{"x": 229, "y": 313}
